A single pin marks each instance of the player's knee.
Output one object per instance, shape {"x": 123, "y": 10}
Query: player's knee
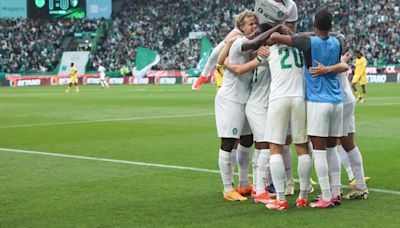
{"x": 227, "y": 144}
{"x": 331, "y": 142}
{"x": 246, "y": 140}
{"x": 262, "y": 145}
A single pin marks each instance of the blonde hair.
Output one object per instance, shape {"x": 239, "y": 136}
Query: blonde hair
{"x": 240, "y": 19}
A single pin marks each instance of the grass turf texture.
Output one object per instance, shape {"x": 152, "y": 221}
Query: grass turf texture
{"x": 152, "y": 124}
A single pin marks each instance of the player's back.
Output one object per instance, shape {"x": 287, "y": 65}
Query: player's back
{"x": 287, "y": 71}
{"x": 101, "y": 70}
{"x": 260, "y": 85}
{"x": 324, "y": 88}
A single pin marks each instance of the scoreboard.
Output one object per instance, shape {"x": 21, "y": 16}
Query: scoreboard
{"x": 56, "y": 9}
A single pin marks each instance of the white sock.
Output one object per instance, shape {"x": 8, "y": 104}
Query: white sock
{"x": 278, "y": 175}
{"x": 243, "y": 157}
{"x": 310, "y": 149}
{"x": 334, "y": 170}
{"x": 269, "y": 177}
{"x": 287, "y": 160}
{"x": 321, "y": 168}
{"x": 106, "y": 83}
{"x": 224, "y": 162}
{"x": 358, "y": 167}
{"x": 304, "y": 170}
{"x": 233, "y": 164}
{"x": 262, "y": 171}
{"x": 344, "y": 159}
{"x": 256, "y": 154}
{"x": 102, "y": 83}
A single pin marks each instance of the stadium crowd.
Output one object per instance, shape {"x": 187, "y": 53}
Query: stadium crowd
{"x": 28, "y": 45}
{"x": 377, "y": 34}
{"x": 164, "y": 25}
{"x": 369, "y": 26}
{"x": 158, "y": 25}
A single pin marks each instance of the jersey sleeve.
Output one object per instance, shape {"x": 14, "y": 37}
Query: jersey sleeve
{"x": 238, "y": 44}
{"x": 293, "y": 14}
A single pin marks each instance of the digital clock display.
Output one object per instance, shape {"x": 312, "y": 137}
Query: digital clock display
{"x": 47, "y": 9}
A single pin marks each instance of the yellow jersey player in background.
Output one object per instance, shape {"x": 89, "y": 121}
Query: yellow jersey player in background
{"x": 74, "y": 79}
{"x": 360, "y": 76}
{"x": 219, "y": 75}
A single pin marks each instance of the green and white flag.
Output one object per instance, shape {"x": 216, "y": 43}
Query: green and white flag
{"x": 205, "y": 52}
{"x": 145, "y": 59}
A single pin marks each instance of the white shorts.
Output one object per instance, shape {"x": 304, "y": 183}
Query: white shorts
{"x": 257, "y": 118}
{"x": 324, "y": 119}
{"x": 102, "y": 77}
{"x": 287, "y": 116}
{"x": 230, "y": 119}
{"x": 349, "y": 125}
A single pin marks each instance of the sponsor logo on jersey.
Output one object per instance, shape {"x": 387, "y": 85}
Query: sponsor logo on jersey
{"x": 269, "y": 18}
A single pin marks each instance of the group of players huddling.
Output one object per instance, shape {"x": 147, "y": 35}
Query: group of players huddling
{"x": 279, "y": 88}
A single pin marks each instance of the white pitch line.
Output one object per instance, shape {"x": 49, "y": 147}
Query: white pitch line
{"x": 379, "y": 104}
{"x": 150, "y": 165}
{"x": 382, "y": 98}
{"x": 105, "y": 120}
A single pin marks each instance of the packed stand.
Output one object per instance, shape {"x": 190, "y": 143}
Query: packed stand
{"x": 159, "y": 25}
{"x": 140, "y": 25}
{"x": 28, "y": 45}
{"x": 164, "y": 25}
{"x": 369, "y": 26}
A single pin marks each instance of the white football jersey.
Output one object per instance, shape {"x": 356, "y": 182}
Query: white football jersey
{"x": 212, "y": 59}
{"x": 236, "y": 87}
{"x": 287, "y": 72}
{"x": 348, "y": 96}
{"x": 102, "y": 71}
{"x": 260, "y": 86}
{"x": 272, "y": 12}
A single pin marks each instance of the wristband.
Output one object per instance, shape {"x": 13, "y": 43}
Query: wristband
{"x": 261, "y": 59}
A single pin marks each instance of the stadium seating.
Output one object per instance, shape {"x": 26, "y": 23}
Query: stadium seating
{"x": 28, "y": 45}
{"x": 162, "y": 25}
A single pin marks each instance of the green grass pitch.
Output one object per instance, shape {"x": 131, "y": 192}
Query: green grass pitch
{"x": 167, "y": 125}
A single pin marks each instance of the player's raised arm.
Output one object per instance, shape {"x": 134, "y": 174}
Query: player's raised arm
{"x": 277, "y": 38}
{"x": 261, "y": 39}
{"x": 262, "y": 54}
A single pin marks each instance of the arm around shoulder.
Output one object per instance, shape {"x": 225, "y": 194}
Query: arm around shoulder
{"x": 244, "y": 68}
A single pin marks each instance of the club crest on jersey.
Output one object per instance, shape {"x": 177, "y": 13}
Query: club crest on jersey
{"x": 234, "y": 131}
{"x": 280, "y": 14}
